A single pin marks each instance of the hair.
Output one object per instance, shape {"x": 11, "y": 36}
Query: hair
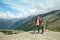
{"x": 40, "y": 20}
{"x": 37, "y": 17}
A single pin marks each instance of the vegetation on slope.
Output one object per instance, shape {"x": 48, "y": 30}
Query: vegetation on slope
{"x": 53, "y": 22}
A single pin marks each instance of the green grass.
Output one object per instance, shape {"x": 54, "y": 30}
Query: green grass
{"x": 10, "y": 32}
{"x": 57, "y": 28}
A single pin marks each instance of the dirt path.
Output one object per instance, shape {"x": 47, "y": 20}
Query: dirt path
{"x": 48, "y": 35}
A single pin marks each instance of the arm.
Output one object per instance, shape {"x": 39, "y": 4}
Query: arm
{"x": 41, "y": 22}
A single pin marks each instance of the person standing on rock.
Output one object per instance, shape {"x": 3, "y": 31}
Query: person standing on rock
{"x": 38, "y": 23}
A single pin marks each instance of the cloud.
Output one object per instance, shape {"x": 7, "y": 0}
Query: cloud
{"x": 29, "y": 7}
{"x": 2, "y": 15}
{"x": 9, "y": 15}
{"x": 48, "y": 5}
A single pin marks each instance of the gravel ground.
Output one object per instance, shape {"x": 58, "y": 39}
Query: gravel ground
{"x": 30, "y": 35}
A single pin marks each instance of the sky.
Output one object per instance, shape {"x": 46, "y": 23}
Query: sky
{"x": 24, "y": 8}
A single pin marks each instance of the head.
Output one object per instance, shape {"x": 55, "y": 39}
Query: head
{"x": 38, "y": 16}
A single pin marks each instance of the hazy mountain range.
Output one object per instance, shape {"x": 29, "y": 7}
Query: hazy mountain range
{"x": 52, "y": 18}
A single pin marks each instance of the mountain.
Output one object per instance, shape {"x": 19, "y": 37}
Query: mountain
{"x": 13, "y": 23}
{"x": 4, "y": 23}
{"x": 8, "y": 23}
{"x": 26, "y": 24}
{"x": 52, "y": 18}
{"x": 20, "y": 22}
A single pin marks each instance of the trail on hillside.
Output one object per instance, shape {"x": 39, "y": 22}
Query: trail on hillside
{"x": 30, "y": 35}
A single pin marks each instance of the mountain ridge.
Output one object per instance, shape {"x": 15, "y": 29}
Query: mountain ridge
{"x": 48, "y": 17}
{"x": 18, "y": 24}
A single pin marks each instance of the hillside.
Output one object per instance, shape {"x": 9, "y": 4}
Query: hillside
{"x": 52, "y": 18}
{"x": 10, "y": 23}
{"x": 53, "y": 21}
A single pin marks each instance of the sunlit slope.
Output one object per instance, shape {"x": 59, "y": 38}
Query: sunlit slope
{"x": 52, "y": 18}
{"x": 28, "y": 25}
{"x": 54, "y": 21}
